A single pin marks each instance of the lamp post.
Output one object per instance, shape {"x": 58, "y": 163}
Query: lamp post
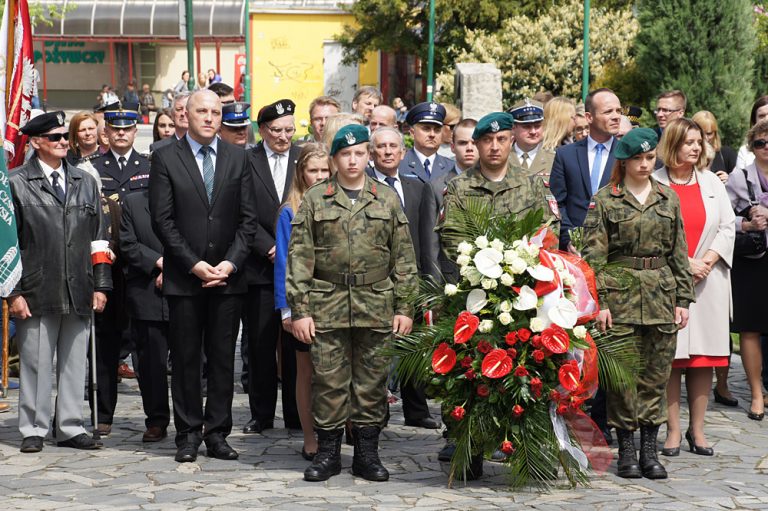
{"x": 190, "y": 45}
{"x": 431, "y": 52}
{"x": 585, "y": 58}
{"x": 247, "y": 84}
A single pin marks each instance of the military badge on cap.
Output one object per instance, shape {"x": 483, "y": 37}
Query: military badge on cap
{"x": 275, "y": 110}
{"x": 350, "y": 138}
{"x": 431, "y": 113}
{"x": 527, "y": 111}
{"x": 636, "y": 141}
{"x": 349, "y": 135}
{"x": 495, "y": 126}
{"x": 235, "y": 115}
{"x": 493, "y": 123}
{"x": 124, "y": 116}
{"x": 43, "y": 123}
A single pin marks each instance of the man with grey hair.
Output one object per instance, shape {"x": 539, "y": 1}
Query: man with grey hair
{"x": 381, "y": 116}
{"x": 180, "y": 122}
{"x": 418, "y": 201}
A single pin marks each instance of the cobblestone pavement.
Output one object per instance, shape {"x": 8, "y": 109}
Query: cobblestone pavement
{"x": 129, "y": 475}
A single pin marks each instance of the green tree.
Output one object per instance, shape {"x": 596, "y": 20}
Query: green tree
{"x": 42, "y": 14}
{"x": 545, "y": 52}
{"x": 704, "y": 48}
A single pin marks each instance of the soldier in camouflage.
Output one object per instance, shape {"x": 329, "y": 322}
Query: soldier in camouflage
{"x": 635, "y": 226}
{"x": 351, "y": 268}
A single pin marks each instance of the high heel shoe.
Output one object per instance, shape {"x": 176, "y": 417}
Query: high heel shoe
{"x": 724, "y": 400}
{"x": 697, "y": 449}
{"x": 672, "y": 451}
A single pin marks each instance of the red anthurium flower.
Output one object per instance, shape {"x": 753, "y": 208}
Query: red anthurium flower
{"x": 511, "y": 338}
{"x": 517, "y": 411}
{"x": 521, "y": 371}
{"x": 555, "y": 339}
{"x": 569, "y": 375}
{"x": 465, "y": 327}
{"x": 562, "y": 409}
{"x": 483, "y": 390}
{"x": 458, "y": 413}
{"x": 506, "y": 447}
{"x": 443, "y": 359}
{"x": 466, "y": 362}
{"x": 524, "y": 334}
{"x": 538, "y": 356}
{"x": 496, "y": 364}
{"x": 554, "y": 395}
{"x": 484, "y": 347}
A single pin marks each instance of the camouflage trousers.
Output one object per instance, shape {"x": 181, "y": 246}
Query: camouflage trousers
{"x": 645, "y": 404}
{"x": 350, "y": 377}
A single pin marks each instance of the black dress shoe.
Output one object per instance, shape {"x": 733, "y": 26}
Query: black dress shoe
{"x": 756, "y": 416}
{"x": 81, "y": 441}
{"x": 724, "y": 400}
{"x": 671, "y": 451}
{"x": 697, "y": 449}
{"x": 446, "y": 453}
{"x": 255, "y": 426}
{"x": 186, "y": 453}
{"x": 221, "y": 450}
{"x": 426, "y": 423}
{"x": 32, "y": 444}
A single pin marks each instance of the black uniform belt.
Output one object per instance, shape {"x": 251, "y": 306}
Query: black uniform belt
{"x": 353, "y": 279}
{"x": 639, "y": 263}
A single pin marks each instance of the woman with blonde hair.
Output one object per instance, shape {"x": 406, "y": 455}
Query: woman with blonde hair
{"x": 313, "y": 165}
{"x": 559, "y": 122}
{"x": 708, "y": 222}
{"x": 724, "y": 159}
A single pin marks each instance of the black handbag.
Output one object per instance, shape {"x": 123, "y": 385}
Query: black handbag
{"x": 749, "y": 243}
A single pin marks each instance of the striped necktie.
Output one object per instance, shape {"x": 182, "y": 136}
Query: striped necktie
{"x": 208, "y": 170}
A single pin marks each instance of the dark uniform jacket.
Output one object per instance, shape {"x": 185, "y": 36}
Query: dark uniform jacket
{"x": 116, "y": 183}
{"x": 140, "y": 249}
{"x": 412, "y": 167}
{"x": 55, "y": 241}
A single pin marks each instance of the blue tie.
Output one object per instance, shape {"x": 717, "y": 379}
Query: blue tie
{"x": 426, "y": 168}
{"x": 207, "y": 170}
{"x": 594, "y": 177}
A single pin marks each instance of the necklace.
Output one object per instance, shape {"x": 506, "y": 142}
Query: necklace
{"x": 689, "y": 181}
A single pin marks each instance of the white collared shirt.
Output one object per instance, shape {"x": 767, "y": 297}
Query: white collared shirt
{"x": 398, "y": 184}
{"x": 531, "y": 154}
{"x": 47, "y": 170}
{"x": 127, "y": 155}
{"x": 592, "y": 152}
{"x": 431, "y": 159}
{"x": 271, "y": 159}
{"x": 199, "y": 156}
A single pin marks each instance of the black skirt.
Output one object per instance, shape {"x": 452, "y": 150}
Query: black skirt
{"x": 749, "y": 284}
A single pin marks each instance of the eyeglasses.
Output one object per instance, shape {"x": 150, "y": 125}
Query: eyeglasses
{"x": 55, "y": 137}
{"x": 759, "y": 143}
{"x": 279, "y": 131}
{"x": 665, "y": 111}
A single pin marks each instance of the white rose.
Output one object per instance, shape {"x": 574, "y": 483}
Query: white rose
{"x": 507, "y": 280}
{"x": 465, "y": 248}
{"x": 509, "y": 256}
{"x": 518, "y": 266}
{"x": 481, "y": 242}
{"x": 489, "y": 284}
{"x": 505, "y": 306}
{"x": 463, "y": 260}
{"x": 538, "y": 324}
{"x": 580, "y": 332}
{"x": 497, "y": 245}
{"x": 505, "y": 318}
{"x": 473, "y": 276}
{"x": 517, "y": 244}
{"x": 451, "y": 289}
{"x": 486, "y": 326}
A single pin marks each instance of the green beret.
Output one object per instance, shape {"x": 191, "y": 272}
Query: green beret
{"x": 636, "y": 141}
{"x": 349, "y": 135}
{"x": 492, "y": 123}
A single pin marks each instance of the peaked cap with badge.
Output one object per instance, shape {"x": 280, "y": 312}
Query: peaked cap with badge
{"x": 527, "y": 111}
{"x": 235, "y": 115}
{"x": 276, "y": 110}
{"x": 493, "y": 123}
{"x": 44, "y": 123}
{"x": 125, "y": 115}
{"x": 427, "y": 112}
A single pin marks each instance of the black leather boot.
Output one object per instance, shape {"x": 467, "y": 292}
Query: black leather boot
{"x": 649, "y": 462}
{"x": 628, "y": 467}
{"x": 365, "y": 462}
{"x": 327, "y": 461}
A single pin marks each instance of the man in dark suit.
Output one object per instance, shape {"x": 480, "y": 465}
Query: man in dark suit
{"x": 423, "y": 162}
{"x": 203, "y": 208}
{"x": 417, "y": 199}
{"x": 142, "y": 255}
{"x": 273, "y": 162}
{"x": 582, "y": 168}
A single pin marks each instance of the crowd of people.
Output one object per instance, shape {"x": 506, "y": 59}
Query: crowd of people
{"x": 314, "y": 245}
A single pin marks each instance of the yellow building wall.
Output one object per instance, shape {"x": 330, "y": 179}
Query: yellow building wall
{"x": 287, "y": 59}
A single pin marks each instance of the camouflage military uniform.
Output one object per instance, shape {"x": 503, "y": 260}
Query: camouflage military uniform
{"x": 515, "y": 194}
{"x": 647, "y": 244}
{"x": 351, "y": 268}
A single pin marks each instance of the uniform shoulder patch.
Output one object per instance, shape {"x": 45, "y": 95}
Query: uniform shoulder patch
{"x": 553, "y": 205}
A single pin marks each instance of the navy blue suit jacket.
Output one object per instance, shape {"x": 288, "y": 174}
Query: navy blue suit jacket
{"x": 412, "y": 167}
{"x": 570, "y": 184}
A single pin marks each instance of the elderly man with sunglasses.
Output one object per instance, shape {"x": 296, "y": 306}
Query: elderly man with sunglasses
{"x": 65, "y": 276}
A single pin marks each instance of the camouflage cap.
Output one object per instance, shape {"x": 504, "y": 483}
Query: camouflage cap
{"x": 349, "y": 135}
{"x": 636, "y": 141}
{"x": 492, "y": 123}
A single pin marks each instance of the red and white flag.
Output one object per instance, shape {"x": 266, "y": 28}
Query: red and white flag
{"x": 17, "y": 52}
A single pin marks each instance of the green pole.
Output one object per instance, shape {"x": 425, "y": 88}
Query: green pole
{"x": 190, "y": 45}
{"x": 431, "y": 54}
{"x": 247, "y": 53}
{"x": 585, "y": 59}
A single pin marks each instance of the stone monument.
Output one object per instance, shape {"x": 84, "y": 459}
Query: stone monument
{"x": 478, "y": 89}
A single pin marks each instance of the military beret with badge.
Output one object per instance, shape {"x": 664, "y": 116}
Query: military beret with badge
{"x": 427, "y": 112}
{"x": 527, "y": 111}
{"x": 636, "y": 141}
{"x": 349, "y": 135}
{"x": 493, "y": 123}
{"x": 275, "y": 110}
{"x": 44, "y": 123}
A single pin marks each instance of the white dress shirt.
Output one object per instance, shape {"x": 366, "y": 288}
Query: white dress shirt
{"x": 279, "y": 187}
{"x": 47, "y": 170}
{"x": 398, "y": 184}
{"x": 421, "y": 158}
{"x": 592, "y": 153}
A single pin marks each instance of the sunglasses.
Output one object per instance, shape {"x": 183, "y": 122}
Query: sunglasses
{"x": 55, "y": 137}
{"x": 759, "y": 143}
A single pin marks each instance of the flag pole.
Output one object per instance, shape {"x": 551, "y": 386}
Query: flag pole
{"x": 5, "y": 348}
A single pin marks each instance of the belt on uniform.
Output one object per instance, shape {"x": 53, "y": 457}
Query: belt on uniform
{"x": 353, "y": 279}
{"x": 639, "y": 263}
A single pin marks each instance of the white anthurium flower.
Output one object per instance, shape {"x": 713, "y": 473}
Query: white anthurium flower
{"x": 538, "y": 324}
{"x": 476, "y": 300}
{"x": 497, "y": 244}
{"x": 564, "y": 313}
{"x": 533, "y": 250}
{"x": 542, "y": 273}
{"x": 518, "y": 266}
{"x": 481, "y": 242}
{"x": 505, "y": 318}
{"x": 488, "y": 262}
{"x": 580, "y": 332}
{"x": 463, "y": 260}
{"x": 507, "y": 280}
{"x": 451, "y": 289}
{"x": 505, "y": 306}
{"x": 465, "y": 248}
{"x": 526, "y": 300}
{"x": 485, "y": 326}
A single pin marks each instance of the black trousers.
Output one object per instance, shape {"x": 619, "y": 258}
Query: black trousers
{"x": 414, "y": 402}
{"x": 109, "y": 339}
{"x": 206, "y": 323}
{"x": 151, "y": 341}
{"x": 264, "y": 327}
